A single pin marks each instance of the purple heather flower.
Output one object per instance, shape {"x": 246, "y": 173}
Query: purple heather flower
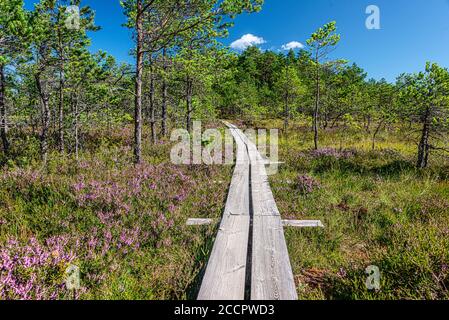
{"x": 330, "y": 152}
{"x": 306, "y": 184}
{"x": 342, "y": 273}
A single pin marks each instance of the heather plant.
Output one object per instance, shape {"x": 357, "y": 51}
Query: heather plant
{"x": 331, "y": 153}
{"x": 107, "y": 218}
{"x": 32, "y": 270}
{"x": 306, "y": 184}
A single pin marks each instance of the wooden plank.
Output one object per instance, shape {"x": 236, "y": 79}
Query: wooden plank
{"x": 263, "y": 199}
{"x": 271, "y": 274}
{"x": 303, "y": 223}
{"x": 225, "y": 275}
{"x": 199, "y": 222}
{"x": 273, "y": 163}
{"x": 272, "y": 277}
{"x": 226, "y": 271}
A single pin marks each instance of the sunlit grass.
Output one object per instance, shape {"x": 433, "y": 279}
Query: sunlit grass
{"x": 377, "y": 209}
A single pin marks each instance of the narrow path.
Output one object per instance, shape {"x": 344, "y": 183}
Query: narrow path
{"x": 249, "y": 259}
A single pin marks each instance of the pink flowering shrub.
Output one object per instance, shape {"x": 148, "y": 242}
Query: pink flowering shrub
{"x": 306, "y": 184}
{"x": 332, "y": 153}
{"x": 100, "y": 216}
{"x": 33, "y": 270}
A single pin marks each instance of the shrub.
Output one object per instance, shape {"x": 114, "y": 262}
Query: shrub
{"x": 306, "y": 184}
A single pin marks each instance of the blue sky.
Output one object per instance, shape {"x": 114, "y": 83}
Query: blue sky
{"x": 412, "y": 31}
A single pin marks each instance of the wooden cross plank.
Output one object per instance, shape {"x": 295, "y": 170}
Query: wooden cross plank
{"x": 199, "y": 222}
{"x": 303, "y": 223}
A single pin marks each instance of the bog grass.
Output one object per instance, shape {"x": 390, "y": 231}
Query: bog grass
{"x": 377, "y": 208}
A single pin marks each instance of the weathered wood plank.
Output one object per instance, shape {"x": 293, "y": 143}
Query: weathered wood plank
{"x": 303, "y": 223}
{"x": 225, "y": 274}
{"x": 272, "y": 277}
{"x": 226, "y": 271}
{"x": 271, "y": 274}
{"x": 263, "y": 199}
{"x": 199, "y": 222}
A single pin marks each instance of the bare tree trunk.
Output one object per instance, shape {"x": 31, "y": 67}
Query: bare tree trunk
{"x": 61, "y": 111}
{"x": 3, "y": 113}
{"x": 287, "y": 108}
{"x": 138, "y": 84}
{"x": 152, "y": 107}
{"x": 287, "y": 114}
{"x": 424, "y": 147}
{"x": 317, "y": 104}
{"x": 45, "y": 113}
{"x": 368, "y": 124}
{"x": 189, "y": 98}
{"x": 164, "y": 96}
{"x": 76, "y": 125}
{"x": 326, "y": 121}
{"x": 335, "y": 121}
{"x": 376, "y": 132}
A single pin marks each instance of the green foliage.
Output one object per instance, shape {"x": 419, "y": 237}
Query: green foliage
{"x": 425, "y": 97}
{"x": 14, "y": 29}
{"x": 324, "y": 36}
{"x": 426, "y": 89}
{"x": 323, "y": 39}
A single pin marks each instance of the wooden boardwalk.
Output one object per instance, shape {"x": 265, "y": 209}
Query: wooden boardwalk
{"x": 249, "y": 258}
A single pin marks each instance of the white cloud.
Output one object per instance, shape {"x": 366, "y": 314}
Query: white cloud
{"x": 246, "y": 41}
{"x": 292, "y": 45}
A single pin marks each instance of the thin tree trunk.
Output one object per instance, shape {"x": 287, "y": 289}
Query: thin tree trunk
{"x": 317, "y": 105}
{"x": 287, "y": 109}
{"x": 424, "y": 147}
{"x": 189, "y": 94}
{"x": 61, "y": 93}
{"x": 326, "y": 121}
{"x": 287, "y": 114}
{"x": 152, "y": 108}
{"x": 3, "y": 113}
{"x": 45, "y": 113}
{"x": 376, "y": 133}
{"x": 164, "y": 96}
{"x": 335, "y": 121}
{"x": 61, "y": 111}
{"x": 76, "y": 126}
{"x": 138, "y": 86}
{"x": 368, "y": 124}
